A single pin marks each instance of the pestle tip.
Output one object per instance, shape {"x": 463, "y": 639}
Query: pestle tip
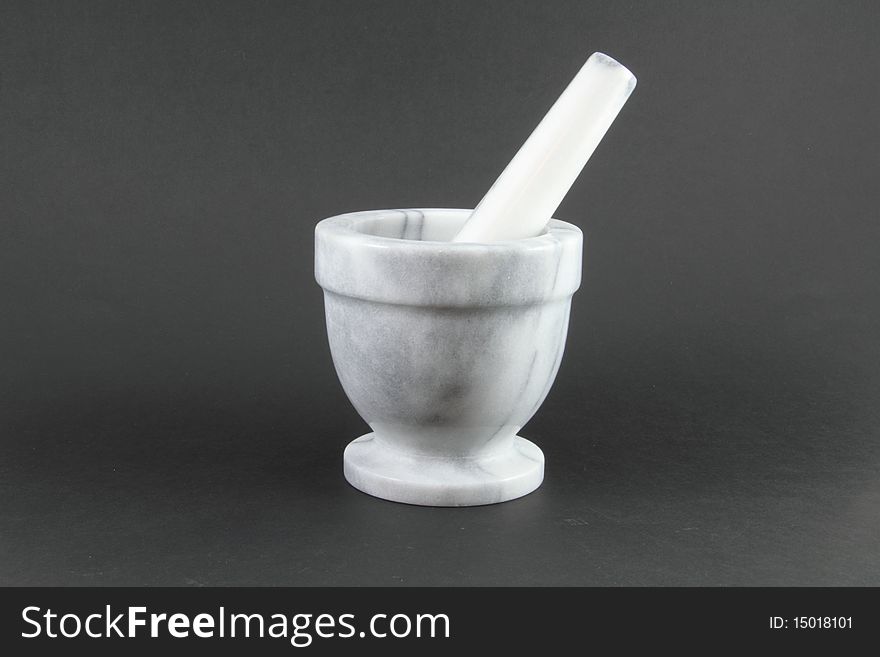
{"x": 613, "y": 64}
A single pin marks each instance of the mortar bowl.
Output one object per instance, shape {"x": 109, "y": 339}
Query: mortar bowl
{"x": 445, "y": 349}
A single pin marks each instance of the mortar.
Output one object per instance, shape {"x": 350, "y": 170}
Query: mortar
{"x": 446, "y": 349}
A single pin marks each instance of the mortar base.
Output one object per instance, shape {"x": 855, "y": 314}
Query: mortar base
{"x": 383, "y": 472}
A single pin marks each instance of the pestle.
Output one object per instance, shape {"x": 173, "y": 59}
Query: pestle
{"x": 530, "y": 189}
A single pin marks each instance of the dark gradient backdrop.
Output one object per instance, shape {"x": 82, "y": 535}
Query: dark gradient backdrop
{"x": 169, "y": 413}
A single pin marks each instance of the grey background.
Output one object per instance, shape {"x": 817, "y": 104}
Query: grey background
{"x": 169, "y": 413}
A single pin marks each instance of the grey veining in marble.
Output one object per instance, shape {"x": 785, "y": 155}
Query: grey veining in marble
{"x": 446, "y": 349}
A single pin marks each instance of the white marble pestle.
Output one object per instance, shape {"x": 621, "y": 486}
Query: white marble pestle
{"x": 529, "y": 190}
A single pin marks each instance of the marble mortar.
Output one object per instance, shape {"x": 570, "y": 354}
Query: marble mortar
{"x": 446, "y": 349}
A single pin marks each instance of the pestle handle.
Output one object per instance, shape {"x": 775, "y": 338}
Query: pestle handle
{"x": 529, "y": 190}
